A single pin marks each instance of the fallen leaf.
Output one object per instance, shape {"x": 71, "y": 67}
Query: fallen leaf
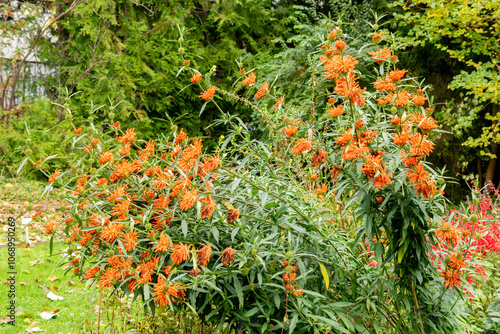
{"x": 53, "y": 287}
{"x": 53, "y": 296}
{"x": 37, "y": 280}
{"x": 24, "y": 314}
{"x": 69, "y": 291}
{"x": 72, "y": 283}
{"x": 32, "y": 327}
{"x": 65, "y": 267}
{"x": 52, "y": 278}
{"x": 44, "y": 287}
{"x": 22, "y": 283}
{"x": 34, "y": 263}
{"x": 28, "y": 320}
{"x": 25, "y": 271}
{"x": 5, "y": 320}
{"x": 46, "y": 315}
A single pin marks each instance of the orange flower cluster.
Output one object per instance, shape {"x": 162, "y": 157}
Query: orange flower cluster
{"x": 176, "y": 183}
{"x": 452, "y": 274}
{"x": 250, "y": 79}
{"x": 208, "y": 94}
{"x": 196, "y": 78}
{"x": 289, "y": 277}
{"x": 262, "y": 90}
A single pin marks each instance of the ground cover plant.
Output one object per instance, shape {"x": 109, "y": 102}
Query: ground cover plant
{"x": 326, "y": 225}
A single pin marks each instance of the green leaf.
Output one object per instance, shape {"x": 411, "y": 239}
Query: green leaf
{"x": 215, "y": 232}
{"x": 239, "y": 290}
{"x": 22, "y": 165}
{"x": 293, "y": 323}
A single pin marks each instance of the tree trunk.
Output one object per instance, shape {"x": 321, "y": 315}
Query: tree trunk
{"x": 492, "y": 164}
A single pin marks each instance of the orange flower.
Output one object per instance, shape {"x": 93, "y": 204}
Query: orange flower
{"x": 242, "y": 71}
{"x": 209, "y": 165}
{"x": 447, "y": 233}
{"x": 249, "y": 80}
{"x": 188, "y": 199}
{"x": 420, "y": 145}
{"x": 208, "y": 94}
{"x": 51, "y": 225}
{"x": 321, "y": 190}
{"x": 262, "y": 91}
{"x": 123, "y": 151}
{"x": 291, "y": 130}
{"x": 227, "y": 256}
{"x": 350, "y": 89}
{"x": 279, "y": 102}
{"x": 336, "y": 111}
{"x": 130, "y": 240}
{"x": 419, "y": 100}
{"x": 341, "y": 64}
{"x": 428, "y": 123}
{"x": 302, "y": 145}
{"x": 396, "y": 75}
{"x": 314, "y": 177}
{"x": 110, "y": 277}
{"x": 180, "y": 254}
{"x": 77, "y": 131}
{"x": 340, "y": 44}
{"x": 384, "y": 85}
{"x": 354, "y": 150}
{"x": 402, "y": 138}
{"x": 115, "y": 124}
{"x": 451, "y": 278}
{"x": 381, "y": 55}
{"x": 203, "y": 255}
{"x": 54, "y": 176}
{"x": 382, "y": 179}
{"x": 318, "y": 158}
{"x": 110, "y": 232}
{"x": 345, "y": 138}
{"x": 106, "y": 157}
{"x": 90, "y": 273}
{"x": 181, "y": 136}
{"x": 208, "y": 210}
{"x": 186, "y": 62}
{"x": 196, "y": 78}
{"x": 232, "y": 215}
{"x": 164, "y": 244}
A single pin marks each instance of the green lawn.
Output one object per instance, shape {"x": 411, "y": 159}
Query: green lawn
{"x": 31, "y": 299}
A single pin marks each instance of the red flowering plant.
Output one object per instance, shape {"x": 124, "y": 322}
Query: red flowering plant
{"x": 468, "y": 255}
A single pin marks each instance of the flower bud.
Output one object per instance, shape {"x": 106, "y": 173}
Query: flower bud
{"x": 474, "y": 218}
{"x": 181, "y": 39}
{"x": 62, "y": 208}
{"x": 339, "y": 32}
{"x": 90, "y": 119}
{"x": 253, "y": 251}
{"x": 441, "y": 181}
{"x": 66, "y": 105}
{"x": 111, "y": 115}
{"x": 93, "y": 171}
{"x": 475, "y": 201}
{"x": 68, "y": 117}
{"x": 28, "y": 141}
{"x": 375, "y": 26}
{"x": 181, "y": 51}
{"x": 69, "y": 251}
{"x": 90, "y": 161}
{"x": 289, "y": 255}
{"x": 147, "y": 226}
{"x": 245, "y": 271}
{"x": 29, "y": 207}
{"x": 174, "y": 128}
{"x": 393, "y": 110}
{"x": 29, "y": 151}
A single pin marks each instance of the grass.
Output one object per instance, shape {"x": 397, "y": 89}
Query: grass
{"x": 75, "y": 311}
